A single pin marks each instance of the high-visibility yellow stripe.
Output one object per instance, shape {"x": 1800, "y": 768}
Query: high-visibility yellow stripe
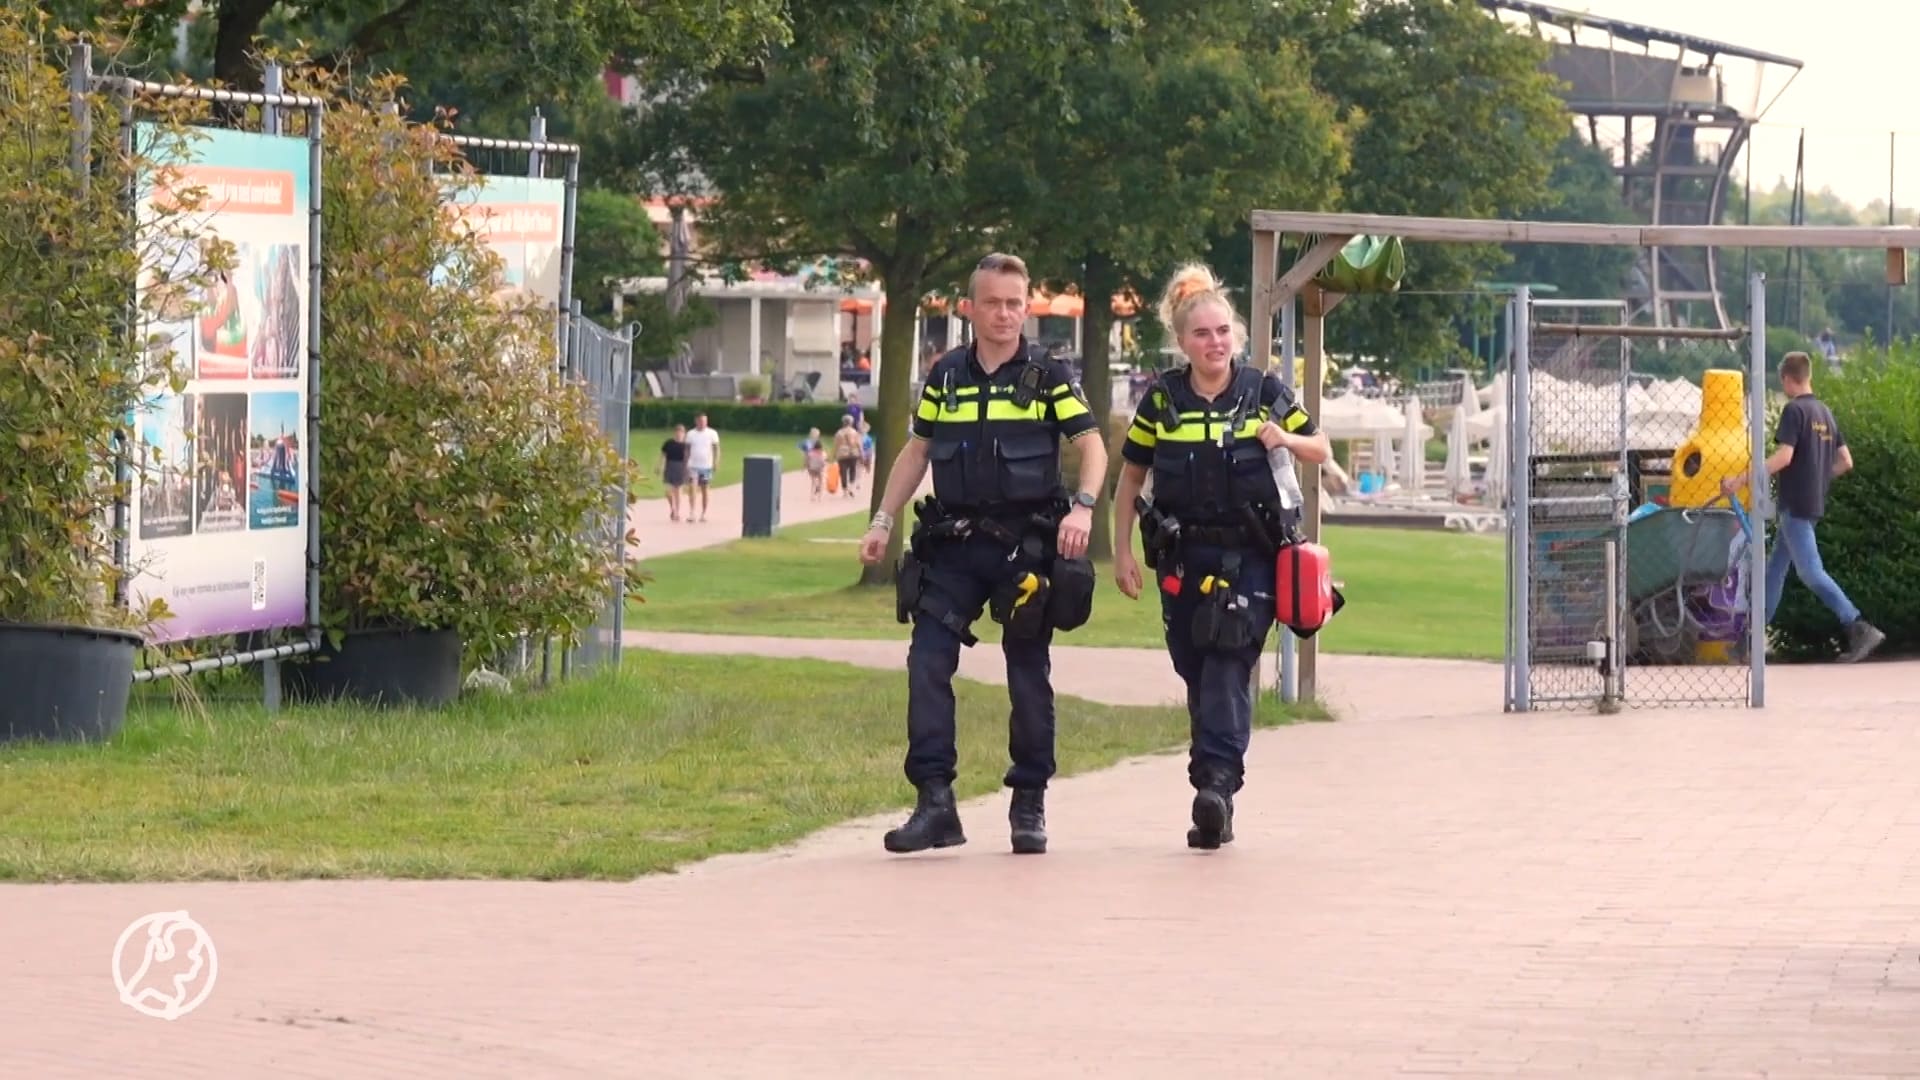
{"x": 1296, "y": 419}
{"x": 1007, "y": 410}
{"x": 1206, "y": 429}
{"x": 928, "y": 410}
{"x": 1185, "y": 433}
{"x": 1062, "y": 390}
{"x": 966, "y": 412}
{"x": 1069, "y": 407}
{"x": 1142, "y": 436}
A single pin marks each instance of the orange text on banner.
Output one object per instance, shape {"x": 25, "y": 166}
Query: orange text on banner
{"x": 228, "y": 190}
{"x": 512, "y": 223}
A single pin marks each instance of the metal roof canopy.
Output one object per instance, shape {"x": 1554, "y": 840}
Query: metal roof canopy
{"x": 1274, "y": 291}
{"x": 1635, "y": 32}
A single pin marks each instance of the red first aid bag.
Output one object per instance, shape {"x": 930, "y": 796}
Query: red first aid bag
{"x": 1303, "y": 592}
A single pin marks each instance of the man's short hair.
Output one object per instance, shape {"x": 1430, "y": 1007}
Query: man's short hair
{"x": 1797, "y": 366}
{"x": 998, "y": 263}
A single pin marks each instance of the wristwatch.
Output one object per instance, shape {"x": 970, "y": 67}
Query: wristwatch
{"x": 1081, "y": 498}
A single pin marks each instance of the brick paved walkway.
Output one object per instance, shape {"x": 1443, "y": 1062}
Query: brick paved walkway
{"x": 1427, "y": 887}
{"x": 660, "y": 535}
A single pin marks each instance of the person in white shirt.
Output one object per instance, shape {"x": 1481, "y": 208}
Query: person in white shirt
{"x": 703, "y": 456}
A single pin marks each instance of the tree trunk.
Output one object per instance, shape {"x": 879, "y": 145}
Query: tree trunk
{"x": 898, "y": 365}
{"x": 236, "y": 24}
{"x": 1098, "y": 283}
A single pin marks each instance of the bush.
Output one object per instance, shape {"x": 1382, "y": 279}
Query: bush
{"x": 461, "y": 471}
{"x": 71, "y": 368}
{"x": 657, "y": 414}
{"x": 1870, "y": 537}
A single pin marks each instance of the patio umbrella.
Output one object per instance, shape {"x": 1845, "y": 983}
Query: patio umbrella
{"x": 1413, "y": 465}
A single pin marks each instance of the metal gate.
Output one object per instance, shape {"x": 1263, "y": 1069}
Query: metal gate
{"x": 603, "y": 361}
{"x": 1631, "y": 575}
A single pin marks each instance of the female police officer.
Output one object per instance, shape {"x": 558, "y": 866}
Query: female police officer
{"x": 1211, "y": 530}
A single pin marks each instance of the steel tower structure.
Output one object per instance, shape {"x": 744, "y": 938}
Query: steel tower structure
{"x": 1660, "y": 105}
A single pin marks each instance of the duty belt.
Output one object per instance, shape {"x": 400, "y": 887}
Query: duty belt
{"x": 1220, "y": 535}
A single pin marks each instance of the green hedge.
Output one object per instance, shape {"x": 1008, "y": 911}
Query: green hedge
{"x": 1870, "y": 537}
{"x": 656, "y": 414}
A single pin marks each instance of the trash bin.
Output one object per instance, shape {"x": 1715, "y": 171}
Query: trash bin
{"x": 760, "y": 516}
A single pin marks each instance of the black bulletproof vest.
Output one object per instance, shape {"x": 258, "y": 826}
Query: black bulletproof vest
{"x": 994, "y": 445}
{"x": 1207, "y": 462}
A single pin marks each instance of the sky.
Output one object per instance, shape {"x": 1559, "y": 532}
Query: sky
{"x": 1848, "y": 96}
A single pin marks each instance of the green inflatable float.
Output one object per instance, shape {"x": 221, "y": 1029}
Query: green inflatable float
{"x": 1367, "y": 264}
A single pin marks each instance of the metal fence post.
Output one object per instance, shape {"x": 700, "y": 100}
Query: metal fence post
{"x": 1520, "y": 492}
{"x": 1289, "y": 660}
{"x": 272, "y": 82}
{"x": 570, "y": 203}
{"x": 1760, "y": 503}
{"x": 79, "y": 85}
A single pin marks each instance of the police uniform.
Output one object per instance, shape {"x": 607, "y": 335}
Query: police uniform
{"x": 1212, "y": 532}
{"x": 987, "y": 541}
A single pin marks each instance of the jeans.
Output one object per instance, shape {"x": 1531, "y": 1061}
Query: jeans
{"x": 1795, "y": 544}
{"x": 968, "y": 570}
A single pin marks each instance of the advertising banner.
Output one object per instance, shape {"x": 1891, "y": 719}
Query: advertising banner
{"x": 521, "y": 219}
{"x": 217, "y": 526}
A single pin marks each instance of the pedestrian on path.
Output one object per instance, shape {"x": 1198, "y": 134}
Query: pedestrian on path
{"x": 1809, "y": 453}
{"x": 673, "y": 471}
{"x": 1204, "y": 431}
{"x": 997, "y": 531}
{"x": 703, "y": 457}
{"x": 816, "y": 458}
{"x": 846, "y": 453}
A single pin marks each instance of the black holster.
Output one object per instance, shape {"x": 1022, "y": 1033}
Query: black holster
{"x": 1222, "y": 618}
{"x": 1024, "y": 603}
{"x": 908, "y": 582}
{"x": 1020, "y": 604}
{"x": 1159, "y": 534}
{"x": 912, "y": 599}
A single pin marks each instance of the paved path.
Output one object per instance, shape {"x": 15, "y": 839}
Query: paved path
{"x": 726, "y": 507}
{"x": 1427, "y": 887}
{"x": 1355, "y": 687}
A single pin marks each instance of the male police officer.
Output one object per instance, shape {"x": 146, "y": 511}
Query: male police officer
{"x": 998, "y": 533}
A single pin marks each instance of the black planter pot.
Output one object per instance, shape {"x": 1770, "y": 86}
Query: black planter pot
{"x": 381, "y": 667}
{"x": 64, "y": 683}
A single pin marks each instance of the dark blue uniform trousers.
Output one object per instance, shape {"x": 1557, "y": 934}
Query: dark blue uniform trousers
{"x": 962, "y": 574}
{"x": 1219, "y": 681}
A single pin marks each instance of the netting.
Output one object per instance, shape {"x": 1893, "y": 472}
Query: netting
{"x": 1636, "y": 559}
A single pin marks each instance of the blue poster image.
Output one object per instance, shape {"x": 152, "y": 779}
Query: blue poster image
{"x": 273, "y": 454}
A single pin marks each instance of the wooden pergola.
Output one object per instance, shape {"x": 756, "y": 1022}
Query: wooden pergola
{"x": 1274, "y": 289}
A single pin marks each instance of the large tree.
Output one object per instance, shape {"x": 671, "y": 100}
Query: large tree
{"x": 487, "y": 57}
{"x": 879, "y": 137}
{"x": 1178, "y": 131}
{"x": 1582, "y": 188}
{"x": 1450, "y": 114}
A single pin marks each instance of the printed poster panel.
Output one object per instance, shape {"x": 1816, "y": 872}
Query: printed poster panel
{"x": 521, "y": 219}
{"x": 218, "y": 521}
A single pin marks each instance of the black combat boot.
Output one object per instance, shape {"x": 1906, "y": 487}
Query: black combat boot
{"x": 935, "y": 822}
{"x": 1212, "y": 813}
{"x": 1028, "y": 816}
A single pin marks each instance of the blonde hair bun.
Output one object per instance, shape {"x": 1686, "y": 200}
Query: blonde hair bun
{"x": 1190, "y": 286}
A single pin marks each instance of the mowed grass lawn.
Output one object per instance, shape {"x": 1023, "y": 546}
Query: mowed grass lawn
{"x": 643, "y": 448}
{"x": 1409, "y": 593}
{"x": 671, "y": 759}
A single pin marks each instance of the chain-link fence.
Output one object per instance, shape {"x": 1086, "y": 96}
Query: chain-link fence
{"x": 1633, "y": 561}
{"x": 602, "y": 361}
